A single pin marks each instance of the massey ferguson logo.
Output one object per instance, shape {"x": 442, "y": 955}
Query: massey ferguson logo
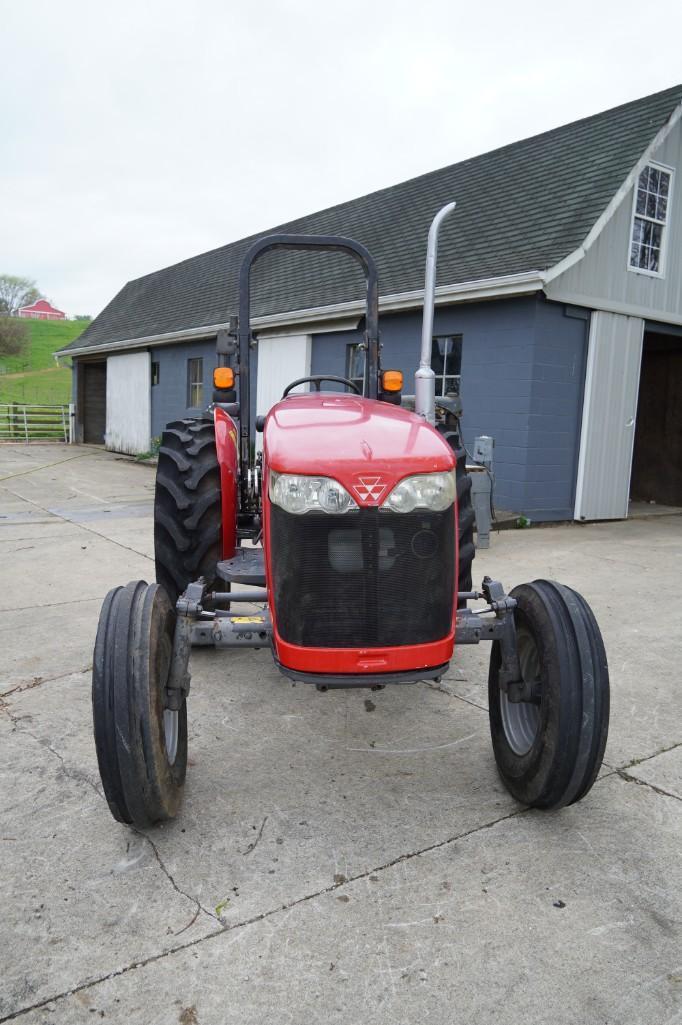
{"x": 370, "y": 488}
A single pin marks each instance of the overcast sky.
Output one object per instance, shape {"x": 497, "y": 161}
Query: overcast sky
{"x": 136, "y": 134}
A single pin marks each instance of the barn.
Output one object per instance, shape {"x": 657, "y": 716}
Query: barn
{"x": 41, "y": 309}
{"x": 558, "y": 318}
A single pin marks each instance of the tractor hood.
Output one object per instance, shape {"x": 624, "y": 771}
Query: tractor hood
{"x": 365, "y": 444}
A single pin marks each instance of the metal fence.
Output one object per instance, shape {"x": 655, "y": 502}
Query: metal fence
{"x": 22, "y": 422}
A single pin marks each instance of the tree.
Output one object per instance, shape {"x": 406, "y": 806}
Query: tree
{"x": 16, "y": 292}
{"x": 13, "y": 336}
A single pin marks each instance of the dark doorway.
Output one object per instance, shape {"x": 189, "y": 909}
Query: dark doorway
{"x": 94, "y": 402}
{"x": 657, "y": 457}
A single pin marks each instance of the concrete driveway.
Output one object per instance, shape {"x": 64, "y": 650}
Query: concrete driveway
{"x": 345, "y": 857}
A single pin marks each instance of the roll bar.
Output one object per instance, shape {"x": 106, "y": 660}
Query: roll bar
{"x": 316, "y": 243}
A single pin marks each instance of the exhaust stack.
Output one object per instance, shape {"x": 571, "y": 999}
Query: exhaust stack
{"x": 425, "y": 379}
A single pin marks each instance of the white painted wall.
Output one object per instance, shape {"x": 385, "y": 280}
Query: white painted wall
{"x": 129, "y": 403}
{"x": 614, "y": 359}
{"x": 281, "y": 359}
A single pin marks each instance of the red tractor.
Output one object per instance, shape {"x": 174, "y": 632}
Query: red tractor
{"x": 354, "y": 531}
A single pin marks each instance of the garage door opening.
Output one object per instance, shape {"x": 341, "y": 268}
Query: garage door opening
{"x": 657, "y": 457}
{"x": 92, "y": 401}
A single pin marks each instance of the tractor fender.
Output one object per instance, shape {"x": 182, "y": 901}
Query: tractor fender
{"x": 226, "y": 449}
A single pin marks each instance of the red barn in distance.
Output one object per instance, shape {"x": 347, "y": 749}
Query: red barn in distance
{"x": 41, "y": 309}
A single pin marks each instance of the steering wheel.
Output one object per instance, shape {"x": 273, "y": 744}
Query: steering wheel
{"x": 317, "y": 380}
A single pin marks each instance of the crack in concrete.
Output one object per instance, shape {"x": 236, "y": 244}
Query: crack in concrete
{"x": 162, "y": 865}
{"x": 444, "y": 689}
{"x": 38, "y": 681}
{"x": 43, "y": 537}
{"x": 81, "y": 777}
{"x": 53, "y": 604}
{"x": 245, "y": 923}
{"x": 647, "y": 758}
{"x": 4, "y": 707}
{"x": 75, "y": 774}
{"x": 46, "y": 466}
{"x": 644, "y": 783}
{"x": 252, "y": 846}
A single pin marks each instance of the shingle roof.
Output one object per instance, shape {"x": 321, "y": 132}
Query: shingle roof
{"x": 522, "y": 207}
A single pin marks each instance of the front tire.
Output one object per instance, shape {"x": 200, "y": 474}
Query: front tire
{"x": 549, "y": 751}
{"x": 141, "y": 744}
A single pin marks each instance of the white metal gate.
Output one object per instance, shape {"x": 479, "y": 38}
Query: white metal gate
{"x": 609, "y": 410}
{"x": 20, "y": 421}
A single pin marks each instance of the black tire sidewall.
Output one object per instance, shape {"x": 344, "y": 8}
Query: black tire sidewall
{"x": 540, "y": 777}
{"x": 130, "y": 671}
{"x": 149, "y": 678}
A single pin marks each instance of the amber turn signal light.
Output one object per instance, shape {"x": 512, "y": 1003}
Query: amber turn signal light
{"x": 392, "y": 380}
{"x": 223, "y": 378}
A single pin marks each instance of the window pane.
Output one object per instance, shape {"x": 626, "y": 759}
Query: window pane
{"x": 355, "y": 364}
{"x": 651, "y": 203}
{"x": 647, "y": 228}
{"x": 654, "y": 258}
{"x": 661, "y": 208}
{"x": 654, "y": 174}
{"x": 195, "y": 383}
{"x": 446, "y": 361}
{"x": 664, "y": 184}
{"x": 641, "y": 201}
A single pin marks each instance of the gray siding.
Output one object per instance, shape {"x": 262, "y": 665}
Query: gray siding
{"x": 602, "y": 279}
{"x": 169, "y": 396}
{"x": 523, "y": 368}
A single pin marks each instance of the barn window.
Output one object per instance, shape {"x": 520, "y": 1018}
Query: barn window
{"x": 446, "y": 360}
{"x": 649, "y": 219}
{"x": 195, "y": 383}
{"x": 156, "y": 373}
{"x": 355, "y": 364}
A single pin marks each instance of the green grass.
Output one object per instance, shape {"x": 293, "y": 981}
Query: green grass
{"x": 42, "y": 386}
{"x": 40, "y": 380}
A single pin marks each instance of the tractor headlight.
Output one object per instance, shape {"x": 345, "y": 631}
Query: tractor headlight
{"x": 298, "y": 494}
{"x": 433, "y": 491}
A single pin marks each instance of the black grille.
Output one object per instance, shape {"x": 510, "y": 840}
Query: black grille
{"x": 364, "y": 579}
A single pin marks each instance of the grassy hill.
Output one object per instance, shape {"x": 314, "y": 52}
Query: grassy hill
{"x": 34, "y": 376}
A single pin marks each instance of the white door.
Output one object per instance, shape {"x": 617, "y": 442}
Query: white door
{"x": 281, "y": 359}
{"x": 609, "y": 411}
{"x": 129, "y": 403}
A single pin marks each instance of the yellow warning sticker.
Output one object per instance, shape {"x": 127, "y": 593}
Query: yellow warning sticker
{"x": 248, "y": 619}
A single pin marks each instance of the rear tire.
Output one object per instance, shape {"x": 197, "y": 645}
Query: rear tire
{"x": 187, "y": 506}
{"x": 141, "y": 745}
{"x": 465, "y": 524}
{"x": 549, "y": 752}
